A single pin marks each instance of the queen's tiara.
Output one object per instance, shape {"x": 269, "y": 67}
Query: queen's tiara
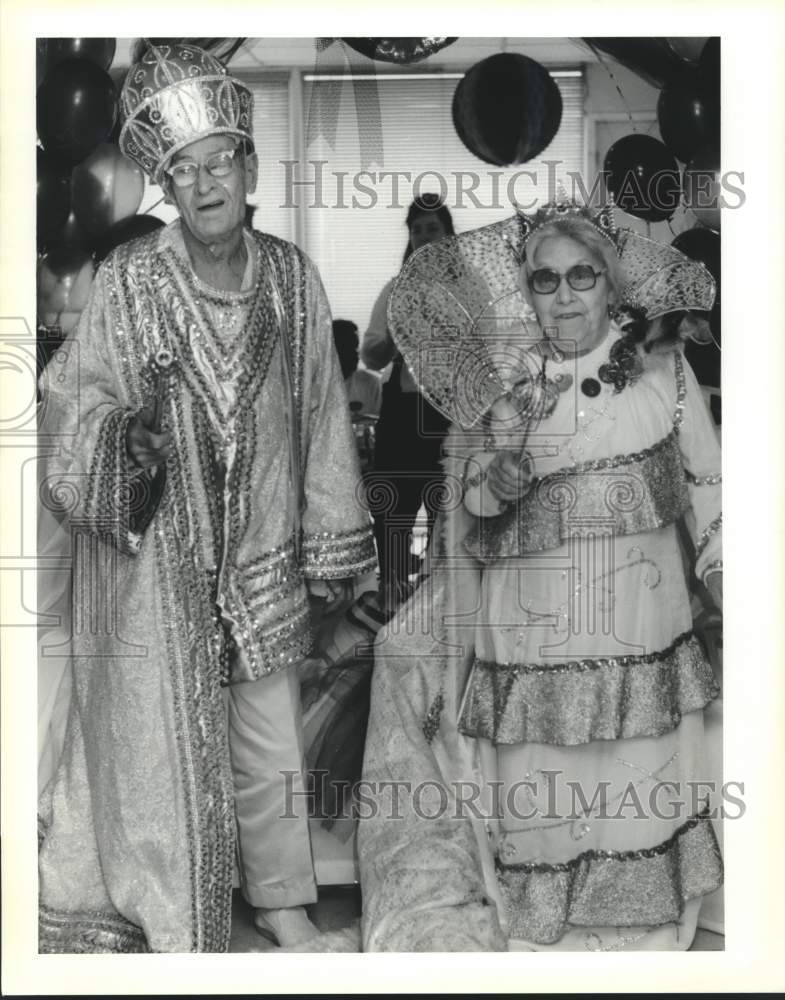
{"x": 562, "y": 208}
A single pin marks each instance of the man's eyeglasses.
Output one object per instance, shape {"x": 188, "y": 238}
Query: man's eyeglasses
{"x": 580, "y": 278}
{"x": 219, "y": 164}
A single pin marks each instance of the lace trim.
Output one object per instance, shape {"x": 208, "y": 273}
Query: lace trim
{"x": 648, "y": 887}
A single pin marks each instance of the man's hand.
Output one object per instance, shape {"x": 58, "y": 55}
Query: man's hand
{"x": 509, "y": 476}
{"x": 144, "y": 446}
{"x": 332, "y": 592}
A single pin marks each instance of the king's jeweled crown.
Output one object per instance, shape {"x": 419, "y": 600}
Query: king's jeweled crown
{"x": 175, "y": 95}
{"x": 600, "y": 219}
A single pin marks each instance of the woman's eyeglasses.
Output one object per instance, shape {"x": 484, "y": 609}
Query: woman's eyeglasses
{"x": 580, "y": 278}
{"x": 185, "y": 172}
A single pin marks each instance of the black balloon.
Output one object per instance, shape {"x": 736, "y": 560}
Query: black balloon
{"x": 71, "y": 237}
{"x": 40, "y": 62}
{"x": 709, "y": 67}
{"x": 643, "y": 177}
{"x": 706, "y": 359}
{"x": 715, "y": 318}
{"x": 97, "y": 50}
{"x": 687, "y": 47}
{"x": 507, "y": 109}
{"x": 398, "y": 50}
{"x": 652, "y": 59}
{"x": 76, "y": 109}
{"x": 122, "y": 232}
{"x": 702, "y": 186}
{"x": 703, "y": 245}
{"x": 53, "y": 197}
{"x": 689, "y": 116}
{"x": 106, "y": 187}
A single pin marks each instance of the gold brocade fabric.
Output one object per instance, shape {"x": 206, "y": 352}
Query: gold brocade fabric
{"x": 138, "y": 822}
{"x": 606, "y": 698}
{"x": 627, "y": 495}
{"x": 637, "y": 890}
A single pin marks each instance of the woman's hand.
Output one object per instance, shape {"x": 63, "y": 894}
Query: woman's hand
{"x": 510, "y": 476}
{"x": 714, "y": 587}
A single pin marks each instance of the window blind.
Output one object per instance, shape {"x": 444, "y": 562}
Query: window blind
{"x": 271, "y": 132}
{"x": 354, "y": 224}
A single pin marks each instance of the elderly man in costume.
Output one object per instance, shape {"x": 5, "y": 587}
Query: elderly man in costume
{"x": 201, "y": 458}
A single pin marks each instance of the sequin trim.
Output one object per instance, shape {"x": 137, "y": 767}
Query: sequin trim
{"x": 706, "y": 535}
{"x": 681, "y": 391}
{"x": 186, "y": 318}
{"x": 192, "y": 636}
{"x": 712, "y": 480}
{"x": 622, "y": 697}
{"x": 272, "y": 629}
{"x": 648, "y": 493}
{"x": 106, "y": 493}
{"x": 648, "y": 887}
{"x": 331, "y": 555}
{"x": 202, "y": 742}
{"x": 93, "y": 932}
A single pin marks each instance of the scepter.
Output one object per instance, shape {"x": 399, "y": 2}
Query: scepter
{"x": 154, "y": 478}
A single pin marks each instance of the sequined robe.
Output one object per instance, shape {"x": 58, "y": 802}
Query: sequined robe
{"x": 553, "y": 644}
{"x": 138, "y": 825}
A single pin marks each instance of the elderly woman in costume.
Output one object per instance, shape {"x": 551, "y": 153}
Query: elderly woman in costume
{"x": 541, "y": 696}
{"x": 201, "y": 458}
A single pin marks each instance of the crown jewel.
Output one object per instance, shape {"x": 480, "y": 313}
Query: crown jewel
{"x": 562, "y": 207}
{"x": 175, "y": 95}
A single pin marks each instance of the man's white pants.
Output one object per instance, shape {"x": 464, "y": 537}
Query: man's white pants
{"x": 266, "y": 747}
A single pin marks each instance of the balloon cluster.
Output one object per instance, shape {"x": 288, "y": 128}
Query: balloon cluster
{"x": 643, "y": 173}
{"x": 88, "y": 193}
{"x": 644, "y": 176}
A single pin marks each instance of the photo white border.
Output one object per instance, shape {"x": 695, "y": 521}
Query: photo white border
{"x": 754, "y": 507}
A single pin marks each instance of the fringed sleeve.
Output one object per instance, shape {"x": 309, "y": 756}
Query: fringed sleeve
{"x": 84, "y": 418}
{"x": 337, "y": 538}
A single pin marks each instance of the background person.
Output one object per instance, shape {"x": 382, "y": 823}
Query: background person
{"x": 410, "y": 431}
{"x": 363, "y": 388}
